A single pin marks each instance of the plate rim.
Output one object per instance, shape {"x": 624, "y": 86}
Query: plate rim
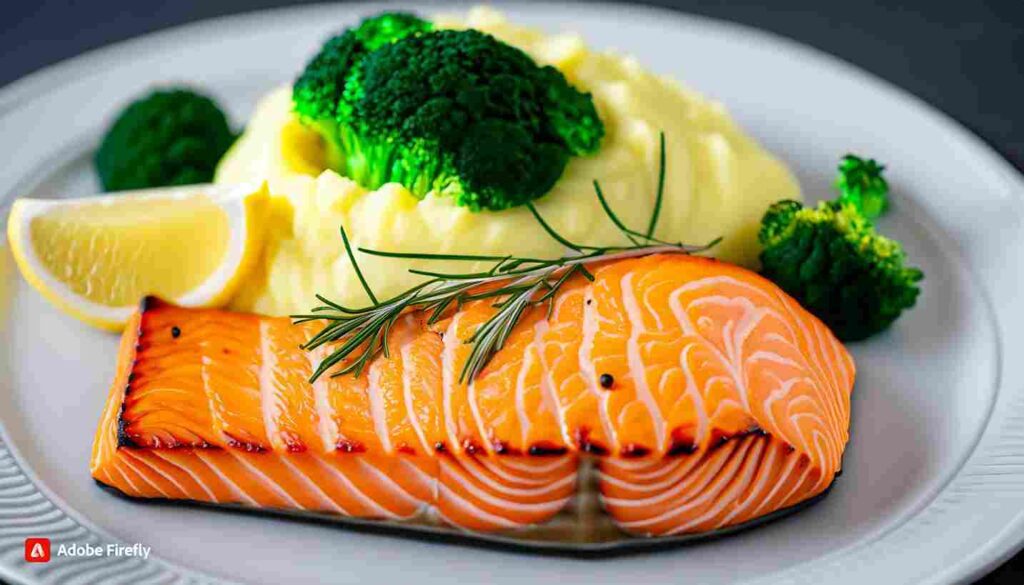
{"x": 997, "y": 548}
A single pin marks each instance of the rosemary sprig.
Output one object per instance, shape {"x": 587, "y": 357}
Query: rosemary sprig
{"x": 513, "y": 284}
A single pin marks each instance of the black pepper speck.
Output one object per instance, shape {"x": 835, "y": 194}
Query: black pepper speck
{"x": 175, "y": 332}
{"x": 606, "y": 380}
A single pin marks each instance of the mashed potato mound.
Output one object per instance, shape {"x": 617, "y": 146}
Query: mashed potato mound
{"x": 718, "y": 183}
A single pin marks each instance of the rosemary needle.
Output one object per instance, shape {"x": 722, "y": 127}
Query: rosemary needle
{"x": 355, "y": 266}
{"x": 661, "y": 187}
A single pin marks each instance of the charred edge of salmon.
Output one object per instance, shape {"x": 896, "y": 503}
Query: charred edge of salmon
{"x": 546, "y": 449}
{"x": 720, "y": 438}
{"x": 515, "y": 542}
{"x": 346, "y": 446}
{"x": 680, "y": 449}
{"x": 633, "y": 451}
{"x": 123, "y": 438}
{"x": 683, "y": 442}
{"x": 587, "y": 445}
{"x": 503, "y": 448}
{"x": 247, "y": 446}
{"x": 499, "y": 447}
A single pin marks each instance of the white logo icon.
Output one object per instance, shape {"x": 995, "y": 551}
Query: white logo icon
{"x": 37, "y": 551}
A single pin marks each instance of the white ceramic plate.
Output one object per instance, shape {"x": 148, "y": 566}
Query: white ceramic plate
{"x": 933, "y": 488}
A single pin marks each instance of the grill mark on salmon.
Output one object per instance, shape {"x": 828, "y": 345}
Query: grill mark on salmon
{"x": 728, "y": 401}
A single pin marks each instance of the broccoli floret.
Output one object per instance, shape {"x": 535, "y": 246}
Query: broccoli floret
{"x": 318, "y": 91}
{"x": 832, "y": 261}
{"x": 861, "y": 184}
{"x": 456, "y": 112}
{"x": 170, "y": 137}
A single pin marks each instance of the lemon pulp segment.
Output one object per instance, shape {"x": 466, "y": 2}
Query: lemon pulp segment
{"x": 109, "y": 254}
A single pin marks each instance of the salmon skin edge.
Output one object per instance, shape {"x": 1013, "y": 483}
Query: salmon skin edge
{"x": 521, "y": 542}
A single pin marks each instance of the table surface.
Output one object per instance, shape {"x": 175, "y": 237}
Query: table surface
{"x": 964, "y": 57}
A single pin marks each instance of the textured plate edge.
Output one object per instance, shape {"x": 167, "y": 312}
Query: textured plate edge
{"x": 999, "y": 547}
{"x": 49, "y": 515}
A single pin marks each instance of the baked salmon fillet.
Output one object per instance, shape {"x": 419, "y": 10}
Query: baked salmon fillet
{"x": 704, "y": 395}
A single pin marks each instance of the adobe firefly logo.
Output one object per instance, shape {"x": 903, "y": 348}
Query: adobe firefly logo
{"x": 37, "y": 550}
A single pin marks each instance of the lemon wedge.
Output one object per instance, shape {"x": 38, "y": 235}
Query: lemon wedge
{"x": 95, "y": 258}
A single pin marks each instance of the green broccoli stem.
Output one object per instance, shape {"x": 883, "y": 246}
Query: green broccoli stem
{"x": 374, "y": 163}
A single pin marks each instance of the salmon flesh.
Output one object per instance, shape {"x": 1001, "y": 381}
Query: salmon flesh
{"x": 704, "y": 396}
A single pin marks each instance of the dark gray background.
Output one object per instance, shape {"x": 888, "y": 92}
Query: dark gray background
{"x": 963, "y": 57}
